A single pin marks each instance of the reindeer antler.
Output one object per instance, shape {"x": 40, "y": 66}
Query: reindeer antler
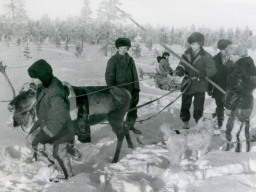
{"x": 2, "y": 70}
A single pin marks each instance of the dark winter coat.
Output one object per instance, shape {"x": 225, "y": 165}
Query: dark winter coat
{"x": 53, "y": 113}
{"x": 221, "y": 75}
{"x": 164, "y": 67}
{"x": 120, "y": 70}
{"x": 238, "y": 94}
{"x": 203, "y": 61}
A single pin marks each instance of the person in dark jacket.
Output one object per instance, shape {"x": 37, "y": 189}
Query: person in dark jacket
{"x": 239, "y": 98}
{"x": 202, "y": 61}
{"x": 52, "y": 109}
{"x": 164, "y": 66}
{"x": 121, "y": 70}
{"x": 222, "y": 64}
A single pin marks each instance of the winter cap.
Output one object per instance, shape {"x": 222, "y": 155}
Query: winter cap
{"x": 166, "y": 54}
{"x": 120, "y": 42}
{"x": 239, "y": 50}
{"x": 41, "y": 70}
{"x": 196, "y": 37}
{"x": 223, "y": 43}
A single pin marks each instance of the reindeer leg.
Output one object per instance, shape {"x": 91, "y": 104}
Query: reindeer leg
{"x": 247, "y": 134}
{"x": 127, "y": 136}
{"x": 238, "y": 144}
{"x": 116, "y": 121}
{"x": 120, "y": 138}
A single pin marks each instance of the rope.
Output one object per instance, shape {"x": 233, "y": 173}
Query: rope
{"x": 149, "y": 102}
{"x": 83, "y": 94}
{"x": 109, "y": 87}
{"x": 187, "y": 87}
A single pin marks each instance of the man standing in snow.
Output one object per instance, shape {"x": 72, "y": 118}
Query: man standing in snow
{"x": 203, "y": 61}
{"x": 241, "y": 81}
{"x": 121, "y": 70}
{"x": 52, "y": 109}
{"x": 222, "y": 64}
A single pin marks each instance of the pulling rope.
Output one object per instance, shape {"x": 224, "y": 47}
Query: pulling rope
{"x": 149, "y": 102}
{"x": 187, "y": 86}
{"x": 109, "y": 87}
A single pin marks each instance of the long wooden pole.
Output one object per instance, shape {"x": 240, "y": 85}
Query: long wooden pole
{"x": 173, "y": 53}
{"x": 2, "y": 70}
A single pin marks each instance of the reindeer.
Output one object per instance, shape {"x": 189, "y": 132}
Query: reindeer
{"x": 91, "y": 105}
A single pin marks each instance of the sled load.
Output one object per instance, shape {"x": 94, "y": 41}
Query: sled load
{"x": 164, "y": 82}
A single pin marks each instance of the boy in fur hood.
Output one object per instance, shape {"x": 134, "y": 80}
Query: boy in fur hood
{"x": 203, "y": 61}
{"x": 121, "y": 70}
{"x": 54, "y": 121}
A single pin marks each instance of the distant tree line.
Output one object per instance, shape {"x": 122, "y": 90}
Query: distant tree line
{"x": 16, "y": 26}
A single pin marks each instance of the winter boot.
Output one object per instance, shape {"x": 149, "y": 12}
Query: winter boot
{"x": 57, "y": 179}
{"x": 136, "y": 131}
{"x": 248, "y": 146}
{"x": 74, "y": 153}
{"x": 130, "y": 126}
{"x": 238, "y": 147}
{"x": 185, "y": 125}
{"x": 228, "y": 147}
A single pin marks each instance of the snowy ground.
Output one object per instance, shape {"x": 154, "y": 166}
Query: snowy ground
{"x": 145, "y": 168}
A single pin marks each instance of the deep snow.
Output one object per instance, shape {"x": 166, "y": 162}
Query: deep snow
{"x": 145, "y": 168}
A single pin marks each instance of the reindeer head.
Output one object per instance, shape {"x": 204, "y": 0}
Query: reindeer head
{"x": 22, "y": 106}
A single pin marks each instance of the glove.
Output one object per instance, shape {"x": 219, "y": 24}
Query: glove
{"x": 228, "y": 112}
{"x": 202, "y": 73}
{"x": 180, "y": 71}
{"x": 209, "y": 93}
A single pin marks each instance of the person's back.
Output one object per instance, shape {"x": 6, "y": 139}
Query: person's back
{"x": 52, "y": 108}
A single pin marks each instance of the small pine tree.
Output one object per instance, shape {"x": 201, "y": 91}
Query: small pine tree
{"x": 39, "y": 48}
{"x": 79, "y": 50}
{"x": 136, "y": 49}
{"x": 27, "y": 53}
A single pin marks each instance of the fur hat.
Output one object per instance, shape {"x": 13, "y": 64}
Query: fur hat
{"x": 223, "y": 43}
{"x": 196, "y": 37}
{"x": 122, "y": 42}
{"x": 239, "y": 50}
{"x": 41, "y": 70}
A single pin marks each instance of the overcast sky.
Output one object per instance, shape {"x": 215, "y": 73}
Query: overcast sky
{"x": 210, "y": 13}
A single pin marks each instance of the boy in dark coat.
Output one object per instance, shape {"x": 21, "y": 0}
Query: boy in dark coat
{"x": 239, "y": 98}
{"x": 222, "y": 64}
{"x": 120, "y": 70}
{"x": 52, "y": 109}
{"x": 202, "y": 61}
